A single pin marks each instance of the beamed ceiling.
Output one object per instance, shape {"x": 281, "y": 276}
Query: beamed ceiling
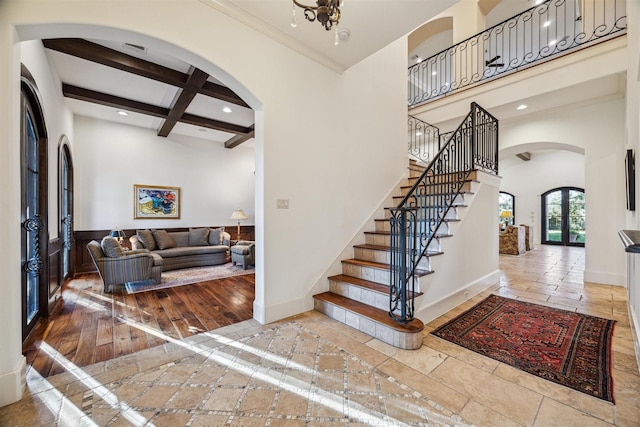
{"x": 158, "y": 92}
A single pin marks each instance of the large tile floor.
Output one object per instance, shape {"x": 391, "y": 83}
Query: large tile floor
{"x": 311, "y": 370}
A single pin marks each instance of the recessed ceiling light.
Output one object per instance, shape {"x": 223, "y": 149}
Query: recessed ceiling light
{"x": 433, "y": 73}
{"x": 546, "y": 24}
{"x": 521, "y": 107}
{"x": 227, "y": 110}
{"x": 123, "y": 113}
{"x": 553, "y": 42}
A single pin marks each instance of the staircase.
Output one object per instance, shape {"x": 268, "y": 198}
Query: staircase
{"x": 359, "y": 297}
{"x": 378, "y": 287}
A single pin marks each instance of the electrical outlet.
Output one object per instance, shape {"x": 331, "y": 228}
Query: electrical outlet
{"x": 282, "y": 203}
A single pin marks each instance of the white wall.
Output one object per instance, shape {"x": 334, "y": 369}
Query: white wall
{"x": 546, "y": 170}
{"x": 331, "y": 144}
{"x": 110, "y": 158}
{"x": 58, "y": 118}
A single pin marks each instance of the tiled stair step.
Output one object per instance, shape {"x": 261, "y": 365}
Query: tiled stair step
{"x": 379, "y": 253}
{"x": 365, "y": 291}
{"x": 370, "y": 320}
{"x": 398, "y": 199}
{"x": 385, "y": 225}
{"x": 387, "y": 211}
{"x": 466, "y": 187}
{"x": 373, "y": 271}
{"x": 383, "y": 238}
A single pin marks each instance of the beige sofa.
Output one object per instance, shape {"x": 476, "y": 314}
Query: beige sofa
{"x": 183, "y": 249}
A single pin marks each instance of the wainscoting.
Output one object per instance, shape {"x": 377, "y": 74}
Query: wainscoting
{"x": 83, "y": 263}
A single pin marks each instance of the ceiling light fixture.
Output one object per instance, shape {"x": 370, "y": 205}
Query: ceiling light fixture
{"x": 327, "y": 12}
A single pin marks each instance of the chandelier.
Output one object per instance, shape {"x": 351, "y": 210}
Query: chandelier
{"x": 327, "y": 12}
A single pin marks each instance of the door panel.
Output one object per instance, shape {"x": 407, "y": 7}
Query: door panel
{"x": 563, "y": 217}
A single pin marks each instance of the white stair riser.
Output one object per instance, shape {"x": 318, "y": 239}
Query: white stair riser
{"x": 363, "y": 295}
{"x": 434, "y": 189}
{"x": 384, "y": 240}
{"x": 367, "y": 273}
{"x": 371, "y": 255}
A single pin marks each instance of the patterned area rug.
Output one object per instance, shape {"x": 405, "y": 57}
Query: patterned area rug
{"x": 565, "y": 347}
{"x": 186, "y": 276}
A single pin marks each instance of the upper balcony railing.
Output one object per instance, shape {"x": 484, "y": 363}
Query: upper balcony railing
{"x": 551, "y": 29}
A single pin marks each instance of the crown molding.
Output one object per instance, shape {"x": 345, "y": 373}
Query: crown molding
{"x": 235, "y": 12}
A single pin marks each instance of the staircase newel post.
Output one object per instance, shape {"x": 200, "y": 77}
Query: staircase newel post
{"x": 402, "y": 270}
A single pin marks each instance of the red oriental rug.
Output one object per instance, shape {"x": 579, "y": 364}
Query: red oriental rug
{"x": 565, "y": 347}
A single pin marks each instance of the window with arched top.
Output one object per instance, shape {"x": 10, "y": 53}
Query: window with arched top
{"x": 506, "y": 208}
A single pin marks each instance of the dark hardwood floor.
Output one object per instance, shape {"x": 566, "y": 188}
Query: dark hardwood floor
{"x": 90, "y": 326}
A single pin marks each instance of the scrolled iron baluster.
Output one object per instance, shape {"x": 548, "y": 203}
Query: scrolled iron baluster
{"x": 35, "y": 263}
{"x": 520, "y": 42}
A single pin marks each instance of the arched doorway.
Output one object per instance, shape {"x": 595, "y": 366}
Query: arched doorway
{"x": 34, "y": 218}
{"x": 563, "y": 217}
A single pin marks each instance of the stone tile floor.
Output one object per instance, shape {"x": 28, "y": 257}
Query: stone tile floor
{"x": 311, "y": 370}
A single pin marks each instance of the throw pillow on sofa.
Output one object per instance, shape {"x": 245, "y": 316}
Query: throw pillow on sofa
{"x": 147, "y": 240}
{"x": 198, "y": 237}
{"x": 111, "y": 247}
{"x": 163, "y": 240}
{"x": 215, "y": 236}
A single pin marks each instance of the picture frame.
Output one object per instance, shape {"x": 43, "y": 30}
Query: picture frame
{"x": 630, "y": 180}
{"x": 156, "y": 202}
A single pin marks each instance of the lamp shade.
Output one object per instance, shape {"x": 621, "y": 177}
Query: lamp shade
{"x": 239, "y": 214}
{"x": 117, "y": 233}
{"x": 506, "y": 214}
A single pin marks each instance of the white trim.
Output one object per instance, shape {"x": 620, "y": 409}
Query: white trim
{"x": 604, "y": 278}
{"x": 437, "y": 308}
{"x": 635, "y": 332}
{"x": 12, "y": 383}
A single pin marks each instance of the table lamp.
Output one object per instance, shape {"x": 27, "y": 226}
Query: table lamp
{"x": 239, "y": 215}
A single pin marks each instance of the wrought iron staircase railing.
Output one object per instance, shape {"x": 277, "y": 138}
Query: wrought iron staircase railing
{"x": 415, "y": 222}
{"x": 550, "y": 29}
{"x": 423, "y": 139}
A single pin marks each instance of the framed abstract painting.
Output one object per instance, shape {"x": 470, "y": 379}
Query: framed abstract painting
{"x": 155, "y": 202}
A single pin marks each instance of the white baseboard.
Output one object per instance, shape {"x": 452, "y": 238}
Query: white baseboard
{"x": 438, "y": 308}
{"x": 604, "y": 278}
{"x": 271, "y": 313}
{"x": 12, "y": 383}
{"x": 635, "y": 332}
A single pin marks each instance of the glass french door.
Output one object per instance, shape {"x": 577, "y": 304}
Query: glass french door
{"x": 66, "y": 211}
{"x": 563, "y": 217}
{"x": 33, "y": 146}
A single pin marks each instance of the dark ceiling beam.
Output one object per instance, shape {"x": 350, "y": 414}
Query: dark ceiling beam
{"x": 88, "y": 95}
{"x": 140, "y": 107}
{"x": 197, "y": 78}
{"x": 94, "y": 52}
{"x": 239, "y": 139}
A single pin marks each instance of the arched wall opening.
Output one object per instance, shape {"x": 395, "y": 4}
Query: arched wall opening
{"x": 28, "y": 33}
{"x": 549, "y": 165}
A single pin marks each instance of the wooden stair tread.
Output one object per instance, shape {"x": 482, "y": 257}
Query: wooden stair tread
{"x": 375, "y": 314}
{"x": 366, "y": 284}
{"x": 380, "y": 266}
{"x": 444, "y": 220}
{"x": 372, "y": 247}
